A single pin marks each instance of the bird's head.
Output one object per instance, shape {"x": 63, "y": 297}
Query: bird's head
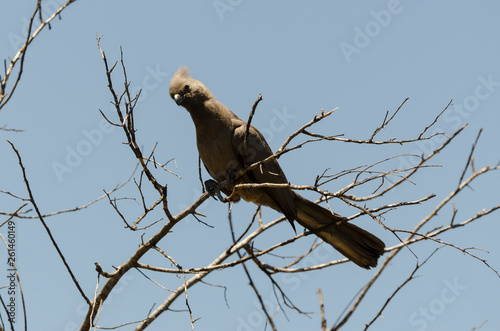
{"x": 187, "y": 91}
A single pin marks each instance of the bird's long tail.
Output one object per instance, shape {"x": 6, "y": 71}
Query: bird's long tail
{"x": 358, "y": 245}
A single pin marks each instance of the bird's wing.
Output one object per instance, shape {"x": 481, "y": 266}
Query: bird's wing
{"x": 256, "y": 150}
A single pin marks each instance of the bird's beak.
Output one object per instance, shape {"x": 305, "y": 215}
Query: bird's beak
{"x": 178, "y": 99}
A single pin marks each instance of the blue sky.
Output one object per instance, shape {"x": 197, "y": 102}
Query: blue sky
{"x": 363, "y": 57}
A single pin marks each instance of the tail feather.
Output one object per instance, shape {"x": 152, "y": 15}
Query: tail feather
{"x": 358, "y": 245}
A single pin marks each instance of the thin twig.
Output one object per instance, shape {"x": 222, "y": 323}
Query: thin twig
{"x": 247, "y": 126}
{"x": 116, "y": 188}
{"x": 469, "y": 158}
{"x": 247, "y": 273}
{"x": 386, "y": 121}
{"x": 435, "y": 120}
{"x": 410, "y": 278}
{"x": 21, "y": 53}
{"x": 322, "y": 309}
{"x": 32, "y": 200}
{"x": 187, "y": 303}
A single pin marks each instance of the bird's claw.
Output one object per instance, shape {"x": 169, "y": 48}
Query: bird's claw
{"x": 213, "y": 188}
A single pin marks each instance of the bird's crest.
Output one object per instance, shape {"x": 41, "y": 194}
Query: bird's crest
{"x": 182, "y": 72}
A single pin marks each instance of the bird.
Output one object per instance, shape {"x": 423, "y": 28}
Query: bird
{"x": 226, "y": 147}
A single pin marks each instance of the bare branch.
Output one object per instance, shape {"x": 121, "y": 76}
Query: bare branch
{"x": 386, "y": 121}
{"x": 322, "y": 309}
{"x": 32, "y": 200}
{"x": 411, "y": 173}
{"x": 435, "y": 120}
{"x": 303, "y": 128}
{"x": 410, "y": 278}
{"x": 21, "y": 53}
{"x": 247, "y": 126}
{"x": 381, "y": 181}
{"x": 470, "y": 159}
{"x": 409, "y": 240}
{"x": 116, "y": 188}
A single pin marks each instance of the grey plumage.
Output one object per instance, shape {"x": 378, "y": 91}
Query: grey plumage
{"x": 220, "y": 136}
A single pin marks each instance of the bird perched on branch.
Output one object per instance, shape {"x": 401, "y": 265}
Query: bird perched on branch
{"x": 226, "y": 147}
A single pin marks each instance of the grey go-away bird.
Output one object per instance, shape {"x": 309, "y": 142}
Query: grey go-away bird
{"x": 220, "y": 136}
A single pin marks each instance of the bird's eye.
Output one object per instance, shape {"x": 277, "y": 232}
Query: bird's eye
{"x": 186, "y": 88}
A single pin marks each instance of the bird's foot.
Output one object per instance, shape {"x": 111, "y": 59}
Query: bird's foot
{"x": 213, "y": 188}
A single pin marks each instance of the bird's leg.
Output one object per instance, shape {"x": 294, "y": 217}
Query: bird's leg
{"x": 213, "y": 188}
{"x": 230, "y": 179}
{"x": 229, "y": 186}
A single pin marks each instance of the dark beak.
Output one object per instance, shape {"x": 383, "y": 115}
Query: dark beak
{"x": 178, "y": 99}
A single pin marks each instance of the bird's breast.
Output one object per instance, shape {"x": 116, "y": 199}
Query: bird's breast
{"x": 217, "y": 153}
